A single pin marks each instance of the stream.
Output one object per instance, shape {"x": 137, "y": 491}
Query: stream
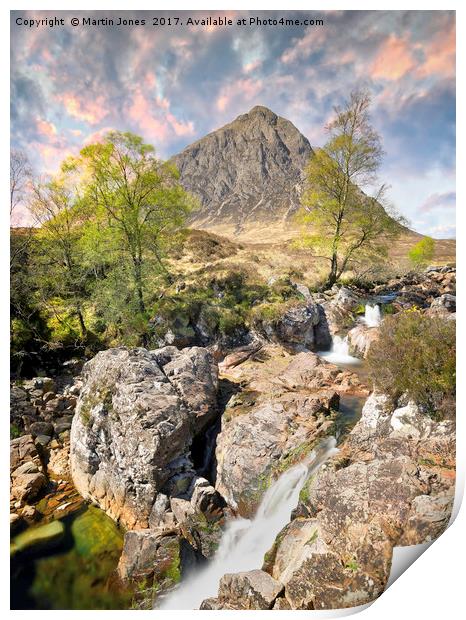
{"x": 245, "y": 542}
{"x": 79, "y": 571}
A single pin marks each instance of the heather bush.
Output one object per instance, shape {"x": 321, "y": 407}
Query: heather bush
{"x": 415, "y": 355}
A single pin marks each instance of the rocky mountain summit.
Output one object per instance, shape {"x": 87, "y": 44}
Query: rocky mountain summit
{"x": 250, "y": 169}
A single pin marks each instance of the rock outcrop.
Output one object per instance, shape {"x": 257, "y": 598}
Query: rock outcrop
{"x": 135, "y": 420}
{"x": 248, "y": 170}
{"x": 302, "y": 326}
{"x": 379, "y": 492}
{"x": 392, "y": 484}
{"x": 286, "y": 405}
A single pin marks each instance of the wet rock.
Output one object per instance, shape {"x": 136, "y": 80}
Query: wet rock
{"x": 150, "y": 557}
{"x": 39, "y": 538}
{"x": 254, "y": 589}
{"x": 135, "y": 418}
{"x": 210, "y": 604}
{"x": 285, "y": 408}
{"x": 391, "y": 484}
{"x": 361, "y": 338}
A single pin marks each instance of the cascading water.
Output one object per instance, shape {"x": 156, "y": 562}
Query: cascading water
{"x": 372, "y": 316}
{"x": 245, "y": 541}
{"x": 339, "y": 353}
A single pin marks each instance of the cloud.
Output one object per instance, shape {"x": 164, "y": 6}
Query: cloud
{"x": 446, "y": 200}
{"x": 394, "y": 59}
{"x": 443, "y": 231}
{"x": 440, "y": 54}
{"x": 45, "y": 128}
{"x": 244, "y": 90}
{"x": 173, "y": 86}
{"x": 89, "y": 111}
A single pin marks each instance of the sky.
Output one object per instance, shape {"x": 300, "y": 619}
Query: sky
{"x": 174, "y": 84}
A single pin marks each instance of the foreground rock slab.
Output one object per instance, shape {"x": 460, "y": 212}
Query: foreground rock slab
{"x": 135, "y": 420}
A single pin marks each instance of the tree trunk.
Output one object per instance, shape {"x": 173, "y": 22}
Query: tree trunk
{"x": 332, "y": 276}
{"x": 82, "y": 324}
{"x": 138, "y": 283}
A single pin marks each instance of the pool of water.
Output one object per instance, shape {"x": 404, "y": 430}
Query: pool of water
{"x": 76, "y": 573}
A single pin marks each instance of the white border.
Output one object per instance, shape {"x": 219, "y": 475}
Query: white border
{"x": 433, "y": 587}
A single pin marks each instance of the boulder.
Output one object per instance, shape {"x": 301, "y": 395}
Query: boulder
{"x": 26, "y": 487}
{"x": 137, "y": 413}
{"x": 361, "y": 338}
{"x": 41, "y": 428}
{"x": 296, "y": 327}
{"x": 149, "y": 556}
{"x": 253, "y": 589}
{"x": 284, "y": 409}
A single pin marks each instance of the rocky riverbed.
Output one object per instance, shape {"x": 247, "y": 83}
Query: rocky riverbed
{"x": 174, "y": 444}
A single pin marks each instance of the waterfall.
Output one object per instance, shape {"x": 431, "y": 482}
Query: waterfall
{"x": 372, "y": 316}
{"x": 245, "y": 541}
{"x": 339, "y": 353}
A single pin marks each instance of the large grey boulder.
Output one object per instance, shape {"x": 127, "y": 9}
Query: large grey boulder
{"x": 137, "y": 413}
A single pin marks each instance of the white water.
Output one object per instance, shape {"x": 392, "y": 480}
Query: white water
{"x": 372, "y": 316}
{"x": 339, "y": 353}
{"x": 245, "y": 542}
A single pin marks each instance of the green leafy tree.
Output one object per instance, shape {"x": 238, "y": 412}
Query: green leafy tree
{"x": 137, "y": 211}
{"x": 59, "y": 257}
{"x": 346, "y": 225}
{"x": 422, "y": 253}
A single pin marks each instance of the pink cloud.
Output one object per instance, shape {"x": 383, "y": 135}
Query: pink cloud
{"x": 155, "y": 119}
{"x": 252, "y": 66}
{"x": 243, "y": 89}
{"x": 393, "y": 60}
{"x": 46, "y": 129}
{"x": 440, "y": 54}
{"x": 91, "y": 112}
{"x": 303, "y": 47}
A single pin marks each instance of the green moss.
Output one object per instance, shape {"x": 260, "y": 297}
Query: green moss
{"x": 313, "y": 538}
{"x": 15, "y": 431}
{"x": 352, "y": 565}
{"x": 101, "y": 395}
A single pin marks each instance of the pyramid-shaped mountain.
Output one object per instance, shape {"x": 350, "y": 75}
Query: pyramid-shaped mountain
{"x": 246, "y": 172}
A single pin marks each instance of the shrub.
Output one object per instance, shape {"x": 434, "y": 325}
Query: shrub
{"x": 422, "y": 252}
{"x": 415, "y": 355}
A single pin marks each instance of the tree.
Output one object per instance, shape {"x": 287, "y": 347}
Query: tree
{"x": 347, "y": 225}
{"x": 422, "y": 252}
{"x": 136, "y": 205}
{"x": 20, "y": 174}
{"x": 55, "y": 207}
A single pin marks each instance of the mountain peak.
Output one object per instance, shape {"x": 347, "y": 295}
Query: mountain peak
{"x": 246, "y": 172}
{"x": 261, "y": 110}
